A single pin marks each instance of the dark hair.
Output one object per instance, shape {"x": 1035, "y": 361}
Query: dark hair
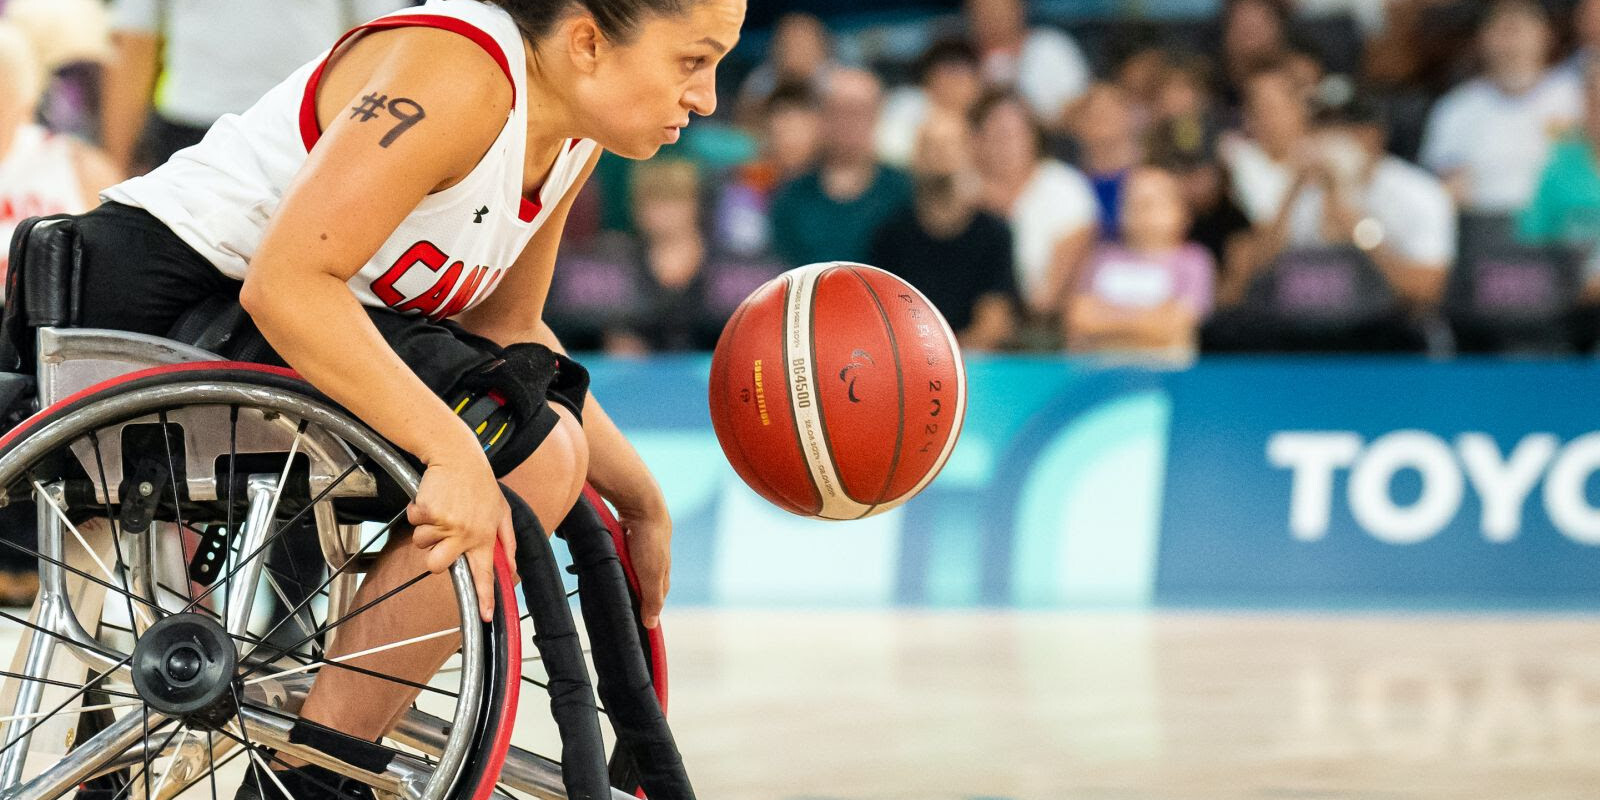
{"x": 791, "y": 95}
{"x": 617, "y": 19}
{"x": 946, "y": 52}
{"x": 1502, "y": 8}
{"x": 1360, "y": 109}
{"x": 994, "y": 99}
{"x": 1279, "y": 9}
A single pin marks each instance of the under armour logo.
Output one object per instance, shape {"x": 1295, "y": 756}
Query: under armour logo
{"x": 477, "y": 218}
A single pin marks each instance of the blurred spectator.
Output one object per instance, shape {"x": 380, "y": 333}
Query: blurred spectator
{"x": 1149, "y": 292}
{"x": 1106, "y": 127}
{"x": 791, "y": 134}
{"x": 801, "y": 52}
{"x": 1141, "y": 75}
{"x": 1184, "y": 140}
{"x": 1044, "y": 65}
{"x": 1424, "y": 44}
{"x": 830, "y": 213}
{"x": 957, "y": 254}
{"x": 1051, "y": 206}
{"x": 40, "y": 172}
{"x": 192, "y": 61}
{"x": 1254, "y": 32}
{"x": 1346, "y": 191}
{"x": 1586, "y": 29}
{"x": 1277, "y": 123}
{"x": 1489, "y": 137}
{"x": 668, "y": 289}
{"x": 1566, "y": 207}
{"x": 72, "y": 38}
{"x": 947, "y": 80}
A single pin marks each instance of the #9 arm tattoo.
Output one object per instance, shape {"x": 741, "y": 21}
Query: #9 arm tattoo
{"x": 409, "y": 112}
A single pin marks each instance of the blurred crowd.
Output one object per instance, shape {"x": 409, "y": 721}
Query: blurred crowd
{"x": 1276, "y": 176}
{"x": 1248, "y": 175}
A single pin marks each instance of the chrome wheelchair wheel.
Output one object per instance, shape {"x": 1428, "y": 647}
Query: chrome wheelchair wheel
{"x": 204, "y": 535}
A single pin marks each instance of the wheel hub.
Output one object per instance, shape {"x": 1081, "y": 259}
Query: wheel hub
{"x": 185, "y": 666}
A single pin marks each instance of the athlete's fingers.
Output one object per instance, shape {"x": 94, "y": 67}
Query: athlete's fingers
{"x": 481, "y": 563}
{"x": 445, "y": 553}
{"x": 427, "y": 535}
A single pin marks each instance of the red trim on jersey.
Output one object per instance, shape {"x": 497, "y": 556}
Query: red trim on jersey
{"x": 531, "y": 206}
{"x": 310, "y": 131}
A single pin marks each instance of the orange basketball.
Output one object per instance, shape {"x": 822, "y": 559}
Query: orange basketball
{"x": 837, "y": 391}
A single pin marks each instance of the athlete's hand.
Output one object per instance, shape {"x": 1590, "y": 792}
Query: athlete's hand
{"x": 459, "y": 510}
{"x": 649, "y": 530}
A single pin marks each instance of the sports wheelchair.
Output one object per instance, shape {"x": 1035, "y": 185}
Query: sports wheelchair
{"x": 202, "y": 530}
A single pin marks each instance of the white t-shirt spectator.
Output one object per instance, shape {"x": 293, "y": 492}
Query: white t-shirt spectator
{"x": 904, "y": 111}
{"x": 1049, "y": 71}
{"x": 1413, "y": 207}
{"x": 1259, "y": 183}
{"x": 1057, "y": 202}
{"x": 220, "y": 58}
{"x": 1500, "y": 140}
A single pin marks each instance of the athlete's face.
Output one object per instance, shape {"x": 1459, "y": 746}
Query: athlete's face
{"x": 645, "y": 90}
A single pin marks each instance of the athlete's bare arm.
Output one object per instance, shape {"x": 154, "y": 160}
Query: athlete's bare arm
{"x": 365, "y": 175}
{"x": 515, "y": 313}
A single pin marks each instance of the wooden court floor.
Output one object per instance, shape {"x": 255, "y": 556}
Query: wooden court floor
{"x": 1132, "y": 706}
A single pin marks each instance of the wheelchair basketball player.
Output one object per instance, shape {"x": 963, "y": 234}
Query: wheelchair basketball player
{"x": 389, "y": 218}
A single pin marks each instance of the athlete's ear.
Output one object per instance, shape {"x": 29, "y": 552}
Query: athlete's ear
{"x": 585, "y": 43}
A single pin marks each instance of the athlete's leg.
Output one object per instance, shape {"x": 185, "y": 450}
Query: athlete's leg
{"x": 549, "y": 481}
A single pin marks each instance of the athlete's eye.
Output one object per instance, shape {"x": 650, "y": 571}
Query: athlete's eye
{"x": 694, "y": 63}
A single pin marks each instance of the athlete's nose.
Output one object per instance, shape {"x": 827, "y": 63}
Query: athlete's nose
{"x": 701, "y": 97}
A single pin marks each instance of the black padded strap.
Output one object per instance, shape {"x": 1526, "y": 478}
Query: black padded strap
{"x": 645, "y": 743}
{"x": 572, "y": 703}
{"x": 358, "y": 753}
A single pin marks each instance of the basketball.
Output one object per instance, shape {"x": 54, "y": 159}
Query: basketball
{"x": 837, "y": 391}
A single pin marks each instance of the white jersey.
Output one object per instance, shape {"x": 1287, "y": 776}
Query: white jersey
{"x": 38, "y": 176}
{"x": 445, "y": 257}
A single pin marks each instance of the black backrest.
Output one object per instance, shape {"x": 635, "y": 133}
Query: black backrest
{"x": 1513, "y": 297}
{"x": 1323, "y": 288}
{"x": 41, "y": 286}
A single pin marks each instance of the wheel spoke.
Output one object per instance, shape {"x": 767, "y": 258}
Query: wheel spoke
{"x": 14, "y": 738}
{"x": 288, "y": 464}
{"x": 351, "y": 656}
{"x": 284, "y": 596}
{"x": 344, "y": 619}
{"x": 6, "y": 615}
{"x": 17, "y": 676}
{"x": 285, "y": 526}
{"x": 116, "y": 529}
{"x": 172, "y": 468}
{"x": 233, "y": 461}
{"x": 99, "y": 707}
{"x": 62, "y": 514}
{"x": 361, "y": 671}
{"x": 21, "y": 548}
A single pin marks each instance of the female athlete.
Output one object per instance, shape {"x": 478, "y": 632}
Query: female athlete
{"x": 389, "y": 218}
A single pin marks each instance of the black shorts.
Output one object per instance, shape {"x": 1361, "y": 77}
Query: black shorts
{"x": 138, "y": 276}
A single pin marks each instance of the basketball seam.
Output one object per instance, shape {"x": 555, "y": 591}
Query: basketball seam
{"x": 822, "y": 416}
{"x": 900, "y": 391}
